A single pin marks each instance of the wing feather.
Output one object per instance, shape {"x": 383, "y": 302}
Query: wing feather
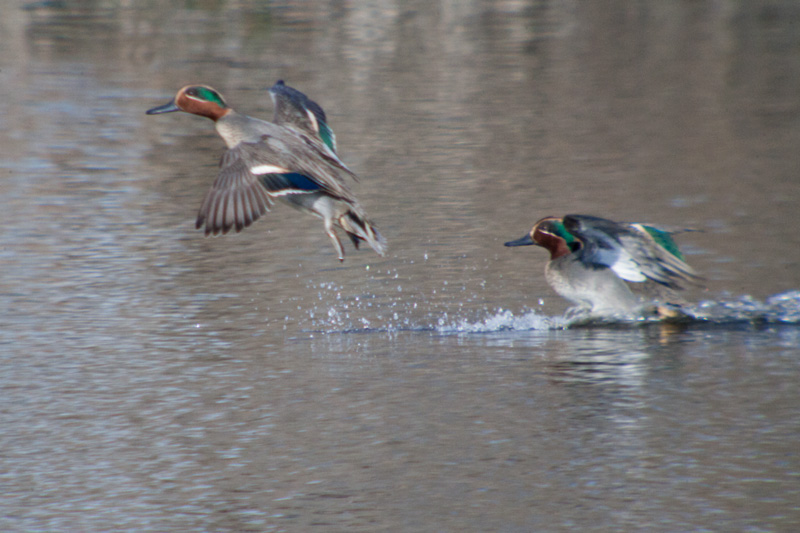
{"x": 252, "y": 174}
{"x": 631, "y": 251}
{"x": 226, "y": 203}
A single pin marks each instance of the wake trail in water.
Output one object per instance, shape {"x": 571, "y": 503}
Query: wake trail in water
{"x": 369, "y": 314}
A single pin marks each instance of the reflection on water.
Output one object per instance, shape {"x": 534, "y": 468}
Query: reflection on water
{"x": 156, "y": 380}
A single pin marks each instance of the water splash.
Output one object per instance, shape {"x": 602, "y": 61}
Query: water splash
{"x": 501, "y": 320}
{"x": 781, "y": 308}
{"x": 336, "y": 311}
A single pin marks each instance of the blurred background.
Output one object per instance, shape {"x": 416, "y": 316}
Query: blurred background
{"x": 159, "y": 380}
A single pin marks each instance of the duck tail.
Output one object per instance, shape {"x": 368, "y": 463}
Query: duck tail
{"x": 359, "y": 229}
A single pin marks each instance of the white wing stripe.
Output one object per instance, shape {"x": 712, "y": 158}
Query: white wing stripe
{"x": 289, "y": 192}
{"x": 268, "y": 169}
{"x": 627, "y": 268}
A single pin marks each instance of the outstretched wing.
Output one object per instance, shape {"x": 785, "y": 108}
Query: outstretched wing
{"x": 236, "y": 199}
{"x": 291, "y": 154}
{"x": 294, "y": 109}
{"x": 252, "y": 174}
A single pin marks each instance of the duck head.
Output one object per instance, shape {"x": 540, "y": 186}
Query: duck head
{"x": 549, "y": 233}
{"x": 198, "y": 100}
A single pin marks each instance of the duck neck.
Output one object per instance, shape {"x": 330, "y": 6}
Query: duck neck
{"x": 554, "y": 244}
{"x": 231, "y": 127}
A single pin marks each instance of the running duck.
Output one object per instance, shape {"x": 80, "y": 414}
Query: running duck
{"x": 592, "y": 259}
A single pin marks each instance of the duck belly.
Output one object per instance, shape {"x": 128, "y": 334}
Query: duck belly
{"x": 598, "y": 289}
{"x": 317, "y": 203}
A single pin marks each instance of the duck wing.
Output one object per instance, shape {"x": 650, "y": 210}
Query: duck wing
{"x": 635, "y": 252}
{"x": 253, "y": 173}
{"x": 236, "y": 199}
{"x": 293, "y": 109}
{"x": 602, "y": 247}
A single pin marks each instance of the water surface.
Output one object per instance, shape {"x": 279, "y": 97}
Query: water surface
{"x": 157, "y": 380}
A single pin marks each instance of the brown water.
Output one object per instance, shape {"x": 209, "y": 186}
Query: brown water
{"x": 156, "y": 380}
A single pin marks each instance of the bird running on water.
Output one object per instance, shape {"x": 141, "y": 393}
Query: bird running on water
{"x": 592, "y": 258}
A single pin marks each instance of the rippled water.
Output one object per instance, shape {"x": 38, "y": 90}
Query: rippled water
{"x": 156, "y": 380}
